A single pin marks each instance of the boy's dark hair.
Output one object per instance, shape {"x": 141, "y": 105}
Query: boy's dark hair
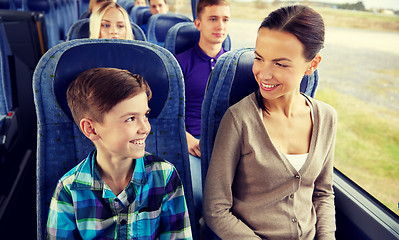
{"x": 201, "y": 4}
{"x": 96, "y": 91}
{"x": 303, "y": 22}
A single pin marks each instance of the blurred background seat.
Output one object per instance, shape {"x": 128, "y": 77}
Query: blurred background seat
{"x": 159, "y": 25}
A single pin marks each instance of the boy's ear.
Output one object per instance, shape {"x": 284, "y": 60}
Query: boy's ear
{"x": 87, "y": 127}
{"x": 314, "y": 63}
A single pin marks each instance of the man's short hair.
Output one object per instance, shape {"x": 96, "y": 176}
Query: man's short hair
{"x": 201, "y": 4}
{"x": 96, "y": 91}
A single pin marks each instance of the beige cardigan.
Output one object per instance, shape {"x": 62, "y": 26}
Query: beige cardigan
{"x": 253, "y": 192}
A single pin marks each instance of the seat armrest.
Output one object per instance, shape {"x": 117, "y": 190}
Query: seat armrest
{"x": 9, "y": 130}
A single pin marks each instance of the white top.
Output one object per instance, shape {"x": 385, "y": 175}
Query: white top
{"x": 297, "y": 160}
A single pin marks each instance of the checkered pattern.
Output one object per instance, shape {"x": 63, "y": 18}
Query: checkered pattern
{"x": 151, "y": 207}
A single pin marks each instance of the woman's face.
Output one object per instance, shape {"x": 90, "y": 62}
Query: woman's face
{"x": 113, "y": 25}
{"x": 279, "y": 63}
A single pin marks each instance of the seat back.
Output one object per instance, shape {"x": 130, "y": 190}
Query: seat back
{"x": 136, "y": 14}
{"x": 230, "y": 81}
{"x": 60, "y": 143}
{"x": 5, "y": 79}
{"x": 159, "y": 25}
{"x": 5, "y": 87}
{"x": 54, "y": 32}
{"x": 81, "y": 29}
{"x": 84, "y": 6}
{"x": 7, "y": 4}
{"x": 185, "y": 35}
{"x": 127, "y": 5}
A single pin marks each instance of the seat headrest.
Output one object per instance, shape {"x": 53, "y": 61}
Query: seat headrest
{"x": 39, "y": 5}
{"x": 244, "y": 82}
{"x": 137, "y": 58}
{"x": 142, "y": 15}
{"x": 165, "y": 21}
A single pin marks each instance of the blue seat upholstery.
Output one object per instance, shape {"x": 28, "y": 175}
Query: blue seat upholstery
{"x": 185, "y": 35}
{"x": 81, "y": 29}
{"x": 5, "y": 81}
{"x": 159, "y": 25}
{"x": 84, "y": 6}
{"x": 6, "y": 104}
{"x": 136, "y": 14}
{"x": 50, "y": 15}
{"x": 8, "y": 114}
{"x": 230, "y": 81}
{"x": 60, "y": 143}
{"x": 7, "y": 4}
{"x": 20, "y": 5}
{"x": 127, "y": 5}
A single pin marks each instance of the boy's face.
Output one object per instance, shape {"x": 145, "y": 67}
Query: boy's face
{"x": 113, "y": 24}
{"x": 124, "y": 129}
{"x": 158, "y": 6}
{"x": 213, "y": 23}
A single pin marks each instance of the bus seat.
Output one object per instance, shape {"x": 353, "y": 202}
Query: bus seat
{"x": 60, "y": 143}
{"x": 137, "y": 13}
{"x": 159, "y": 25}
{"x": 230, "y": 81}
{"x": 81, "y": 29}
{"x": 8, "y": 121}
{"x": 143, "y": 15}
{"x": 7, "y": 4}
{"x": 85, "y": 14}
{"x": 51, "y": 20}
{"x": 84, "y": 6}
{"x": 185, "y": 35}
{"x": 127, "y": 5}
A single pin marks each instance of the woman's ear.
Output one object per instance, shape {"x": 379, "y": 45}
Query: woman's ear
{"x": 87, "y": 127}
{"x": 314, "y": 63}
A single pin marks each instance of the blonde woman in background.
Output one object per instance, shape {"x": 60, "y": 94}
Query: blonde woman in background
{"x": 110, "y": 21}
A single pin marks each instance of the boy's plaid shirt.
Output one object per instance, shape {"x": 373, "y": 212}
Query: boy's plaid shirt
{"x": 152, "y": 206}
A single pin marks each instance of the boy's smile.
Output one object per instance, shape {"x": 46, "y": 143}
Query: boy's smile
{"x": 124, "y": 129}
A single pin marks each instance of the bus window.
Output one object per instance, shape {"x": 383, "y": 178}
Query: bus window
{"x": 359, "y": 77}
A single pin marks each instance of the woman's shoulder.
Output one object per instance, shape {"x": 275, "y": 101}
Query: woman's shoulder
{"x": 247, "y": 103}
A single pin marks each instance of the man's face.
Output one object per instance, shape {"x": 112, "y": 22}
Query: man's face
{"x": 158, "y": 6}
{"x": 213, "y": 23}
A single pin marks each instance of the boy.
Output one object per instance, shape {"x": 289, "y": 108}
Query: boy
{"x": 118, "y": 191}
{"x": 212, "y": 21}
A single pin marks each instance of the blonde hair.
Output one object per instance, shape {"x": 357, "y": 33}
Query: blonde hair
{"x": 97, "y": 16}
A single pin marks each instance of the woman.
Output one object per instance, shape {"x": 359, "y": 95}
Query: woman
{"x": 270, "y": 175}
{"x": 110, "y": 20}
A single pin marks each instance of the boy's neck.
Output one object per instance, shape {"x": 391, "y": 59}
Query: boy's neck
{"x": 115, "y": 173}
{"x": 210, "y": 49}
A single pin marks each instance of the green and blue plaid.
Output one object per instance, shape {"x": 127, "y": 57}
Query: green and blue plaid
{"x": 152, "y": 206}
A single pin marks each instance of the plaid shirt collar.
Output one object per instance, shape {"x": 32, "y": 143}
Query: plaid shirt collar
{"x": 88, "y": 177}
